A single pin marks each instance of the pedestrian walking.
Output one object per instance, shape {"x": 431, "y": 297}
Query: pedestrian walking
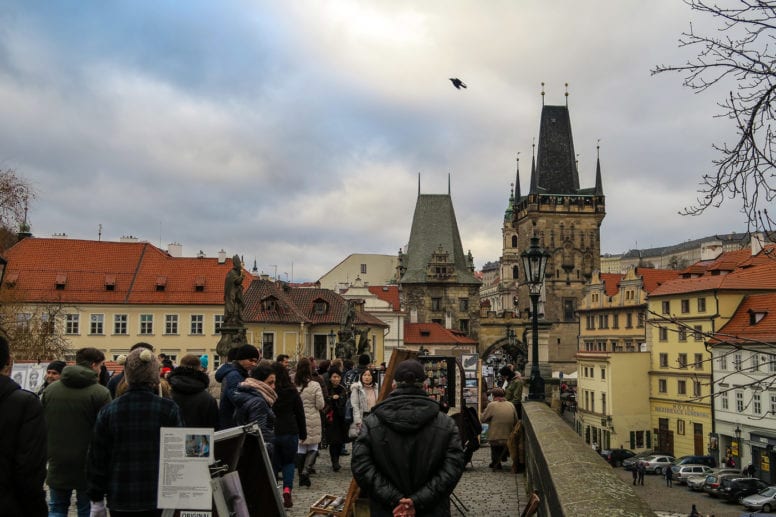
{"x": 189, "y": 390}
{"x": 694, "y": 512}
{"x": 669, "y": 477}
{"x": 501, "y": 416}
{"x": 642, "y": 468}
{"x": 336, "y": 429}
{"x": 635, "y": 474}
{"x": 416, "y": 474}
{"x": 313, "y": 401}
{"x": 290, "y": 428}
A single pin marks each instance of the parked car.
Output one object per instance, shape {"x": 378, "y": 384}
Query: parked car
{"x": 680, "y": 473}
{"x": 695, "y": 482}
{"x": 615, "y": 457}
{"x": 657, "y": 463}
{"x": 764, "y": 500}
{"x": 709, "y": 461}
{"x": 631, "y": 462}
{"x": 713, "y": 482}
{"x": 734, "y": 489}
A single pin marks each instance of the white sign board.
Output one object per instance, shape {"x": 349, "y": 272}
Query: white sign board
{"x": 184, "y": 478}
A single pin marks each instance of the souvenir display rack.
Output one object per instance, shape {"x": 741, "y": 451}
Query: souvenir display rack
{"x": 441, "y": 378}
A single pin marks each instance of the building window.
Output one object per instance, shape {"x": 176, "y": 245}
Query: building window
{"x": 682, "y": 360}
{"x": 569, "y": 308}
{"x": 218, "y": 320}
{"x": 47, "y": 323}
{"x": 170, "y": 323}
{"x": 514, "y": 241}
{"x": 698, "y": 361}
{"x": 319, "y": 307}
{"x": 640, "y": 323}
{"x": 773, "y": 404}
{"x": 723, "y": 397}
{"x": 23, "y": 321}
{"x": 96, "y": 324}
{"x": 197, "y": 324}
{"x": 662, "y": 386}
{"x": 757, "y": 406}
{"x": 737, "y": 361}
{"x": 701, "y": 304}
{"x": 270, "y": 304}
{"x": 629, "y": 321}
{"x": 681, "y": 387}
{"x": 663, "y": 360}
{"x": 755, "y": 362}
{"x": 515, "y": 273}
{"x": 723, "y": 362}
{"x": 120, "y": 324}
{"x": 436, "y": 304}
{"x": 771, "y": 363}
{"x": 740, "y": 401}
{"x": 146, "y": 324}
{"x": 71, "y": 324}
{"x": 590, "y": 322}
{"x": 663, "y": 332}
{"x": 463, "y": 304}
{"x": 603, "y": 321}
{"x": 603, "y": 373}
{"x": 603, "y": 403}
{"x": 682, "y": 333}
{"x": 268, "y": 345}
{"x": 615, "y": 321}
{"x": 680, "y": 427}
{"x": 697, "y": 333}
{"x": 685, "y": 306}
{"x": 696, "y": 388}
{"x": 363, "y": 269}
{"x": 463, "y": 325}
{"x": 666, "y": 307}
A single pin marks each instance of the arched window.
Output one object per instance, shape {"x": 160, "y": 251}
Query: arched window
{"x": 515, "y": 272}
{"x": 514, "y": 241}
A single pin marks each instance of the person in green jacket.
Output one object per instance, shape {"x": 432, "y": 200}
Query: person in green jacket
{"x": 70, "y": 406}
{"x": 514, "y": 393}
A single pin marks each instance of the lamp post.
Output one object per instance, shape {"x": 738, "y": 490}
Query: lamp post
{"x": 737, "y": 451}
{"x": 332, "y": 337}
{"x": 534, "y": 262}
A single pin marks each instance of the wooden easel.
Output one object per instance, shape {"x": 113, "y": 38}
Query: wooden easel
{"x": 396, "y": 357}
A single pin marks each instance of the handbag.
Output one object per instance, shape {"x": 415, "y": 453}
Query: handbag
{"x": 348, "y": 412}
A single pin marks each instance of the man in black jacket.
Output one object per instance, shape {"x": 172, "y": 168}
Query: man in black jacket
{"x": 408, "y": 428}
{"x": 189, "y": 390}
{"x": 23, "y": 451}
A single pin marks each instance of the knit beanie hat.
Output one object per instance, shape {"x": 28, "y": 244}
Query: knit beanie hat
{"x": 56, "y": 365}
{"x": 120, "y": 360}
{"x": 203, "y": 361}
{"x": 142, "y": 367}
{"x": 410, "y": 371}
{"x": 247, "y": 352}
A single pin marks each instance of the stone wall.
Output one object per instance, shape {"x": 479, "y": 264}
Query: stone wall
{"x": 570, "y": 477}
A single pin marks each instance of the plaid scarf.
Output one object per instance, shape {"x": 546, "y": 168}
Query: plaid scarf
{"x": 262, "y": 387}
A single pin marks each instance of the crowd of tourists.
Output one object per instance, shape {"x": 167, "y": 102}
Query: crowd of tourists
{"x": 96, "y": 438}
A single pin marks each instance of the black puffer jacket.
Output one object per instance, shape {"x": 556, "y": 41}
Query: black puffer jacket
{"x": 23, "y": 456}
{"x": 189, "y": 391}
{"x": 408, "y": 448}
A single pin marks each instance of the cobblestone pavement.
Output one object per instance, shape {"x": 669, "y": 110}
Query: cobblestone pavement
{"x": 482, "y": 490}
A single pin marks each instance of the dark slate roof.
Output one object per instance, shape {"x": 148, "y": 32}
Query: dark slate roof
{"x": 556, "y": 166}
{"x": 737, "y": 238}
{"x": 434, "y": 226}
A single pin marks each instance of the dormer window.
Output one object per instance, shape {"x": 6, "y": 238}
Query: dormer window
{"x": 269, "y": 304}
{"x": 320, "y": 307}
{"x": 11, "y": 279}
{"x": 61, "y": 281}
{"x": 756, "y": 316}
{"x": 110, "y": 282}
{"x": 199, "y": 284}
{"x": 161, "y": 283}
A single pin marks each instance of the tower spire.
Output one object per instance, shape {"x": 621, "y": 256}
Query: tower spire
{"x": 542, "y": 93}
{"x": 533, "y": 189}
{"x": 599, "y": 186}
{"x": 517, "y": 179}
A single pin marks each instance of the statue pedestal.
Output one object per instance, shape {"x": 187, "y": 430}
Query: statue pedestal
{"x": 231, "y": 337}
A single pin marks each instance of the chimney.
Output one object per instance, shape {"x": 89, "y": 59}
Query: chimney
{"x": 128, "y": 238}
{"x": 711, "y": 250}
{"x": 175, "y": 249}
{"x": 757, "y": 243}
{"x": 222, "y": 256}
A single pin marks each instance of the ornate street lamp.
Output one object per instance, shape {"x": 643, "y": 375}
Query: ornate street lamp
{"x": 510, "y": 336}
{"x": 534, "y": 262}
{"x": 332, "y": 338}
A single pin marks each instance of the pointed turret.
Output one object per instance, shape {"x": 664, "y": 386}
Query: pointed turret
{"x": 599, "y": 186}
{"x": 556, "y": 169}
{"x": 517, "y": 180}
{"x": 533, "y": 170}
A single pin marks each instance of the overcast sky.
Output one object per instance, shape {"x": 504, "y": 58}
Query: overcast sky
{"x": 293, "y": 132}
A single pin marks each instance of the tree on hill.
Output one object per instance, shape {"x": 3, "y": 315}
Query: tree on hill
{"x": 741, "y": 53}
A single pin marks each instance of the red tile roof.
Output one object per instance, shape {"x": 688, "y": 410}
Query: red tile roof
{"x": 434, "y": 334}
{"x": 651, "y": 279}
{"x": 751, "y": 273}
{"x": 387, "y": 293}
{"x": 611, "y": 283}
{"x": 133, "y": 269}
{"x": 741, "y": 328}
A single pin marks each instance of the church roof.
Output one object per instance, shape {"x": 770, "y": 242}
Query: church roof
{"x": 556, "y": 166}
{"x": 434, "y": 228}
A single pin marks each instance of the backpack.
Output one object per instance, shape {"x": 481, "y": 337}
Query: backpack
{"x": 351, "y": 376}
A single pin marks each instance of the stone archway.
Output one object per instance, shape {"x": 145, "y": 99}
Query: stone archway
{"x": 518, "y": 352}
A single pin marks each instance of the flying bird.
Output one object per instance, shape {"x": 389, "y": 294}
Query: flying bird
{"x": 457, "y": 83}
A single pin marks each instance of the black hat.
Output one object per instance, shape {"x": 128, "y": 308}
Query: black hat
{"x": 364, "y": 359}
{"x": 247, "y": 352}
{"x": 410, "y": 371}
{"x": 507, "y": 372}
{"x": 56, "y": 365}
